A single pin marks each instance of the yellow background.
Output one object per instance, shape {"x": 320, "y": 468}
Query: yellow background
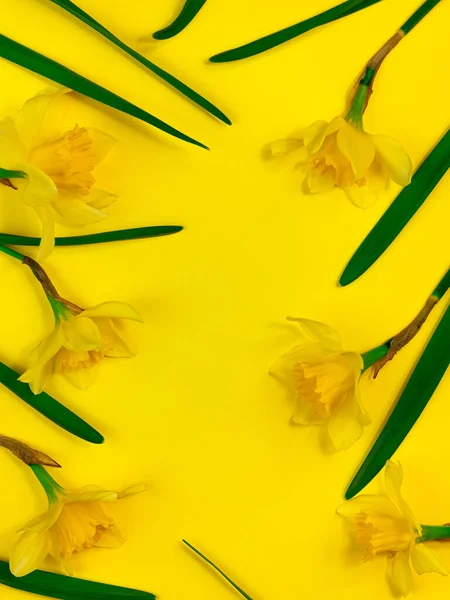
{"x": 195, "y": 413}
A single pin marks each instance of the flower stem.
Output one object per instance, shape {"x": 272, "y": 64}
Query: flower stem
{"x": 420, "y": 13}
{"x": 236, "y": 587}
{"x": 434, "y": 532}
{"x": 11, "y": 252}
{"x": 51, "y": 487}
{"x": 399, "y": 341}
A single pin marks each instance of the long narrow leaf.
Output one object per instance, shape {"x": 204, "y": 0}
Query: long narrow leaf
{"x": 40, "y": 64}
{"x": 418, "y": 391}
{"x": 52, "y": 585}
{"x": 8, "y": 173}
{"x": 94, "y": 238}
{"x": 187, "y": 14}
{"x": 74, "y": 10}
{"x": 49, "y": 407}
{"x": 400, "y": 212}
{"x": 280, "y": 37}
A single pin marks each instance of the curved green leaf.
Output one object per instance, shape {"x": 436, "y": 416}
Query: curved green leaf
{"x": 49, "y": 407}
{"x": 280, "y": 37}
{"x": 400, "y": 212}
{"x": 187, "y": 14}
{"x": 74, "y": 10}
{"x": 419, "y": 389}
{"x": 8, "y": 173}
{"x": 94, "y": 238}
{"x": 52, "y": 585}
{"x": 40, "y": 64}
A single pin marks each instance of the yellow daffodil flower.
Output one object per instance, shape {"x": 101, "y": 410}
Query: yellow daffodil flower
{"x": 77, "y": 344}
{"x": 75, "y": 521}
{"x": 386, "y": 525}
{"x": 323, "y": 382}
{"x": 341, "y": 154}
{"x": 59, "y": 164}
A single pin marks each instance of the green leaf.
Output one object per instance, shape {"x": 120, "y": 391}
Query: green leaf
{"x": 400, "y": 212}
{"x": 419, "y": 389}
{"x": 74, "y": 10}
{"x": 94, "y": 238}
{"x": 187, "y": 14}
{"x": 40, "y": 64}
{"x": 49, "y": 407}
{"x": 280, "y": 37}
{"x": 216, "y": 568}
{"x": 52, "y": 585}
{"x": 8, "y": 174}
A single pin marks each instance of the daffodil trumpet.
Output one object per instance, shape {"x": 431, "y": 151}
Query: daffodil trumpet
{"x": 27, "y": 454}
{"x": 75, "y": 521}
{"x": 385, "y": 525}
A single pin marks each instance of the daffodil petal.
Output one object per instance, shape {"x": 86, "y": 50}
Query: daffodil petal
{"x": 399, "y": 573}
{"x": 284, "y": 146}
{"x": 102, "y": 143}
{"x": 101, "y": 199}
{"x": 111, "y": 538}
{"x": 73, "y": 212}
{"x": 47, "y": 244}
{"x": 117, "y": 347}
{"x": 362, "y": 196}
{"x": 83, "y": 379}
{"x": 371, "y": 505}
{"x": 358, "y": 147}
{"x": 29, "y": 552}
{"x": 41, "y": 119}
{"x": 46, "y": 350}
{"x": 393, "y": 480}
{"x": 91, "y": 493}
{"x": 137, "y": 488}
{"x": 37, "y": 189}
{"x": 319, "y": 182}
{"x": 314, "y": 136}
{"x": 345, "y": 426}
{"x": 314, "y": 331}
{"x": 395, "y": 158}
{"x": 425, "y": 560}
{"x": 42, "y": 376}
{"x": 81, "y": 334}
{"x": 43, "y": 522}
{"x": 113, "y": 310}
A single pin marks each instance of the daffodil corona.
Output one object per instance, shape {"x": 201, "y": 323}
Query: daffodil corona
{"x": 384, "y": 524}
{"x": 75, "y": 521}
{"x": 323, "y": 381}
{"x": 58, "y": 162}
{"x": 78, "y": 343}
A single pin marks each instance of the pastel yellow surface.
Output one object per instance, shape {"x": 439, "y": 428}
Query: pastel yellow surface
{"x": 195, "y": 413}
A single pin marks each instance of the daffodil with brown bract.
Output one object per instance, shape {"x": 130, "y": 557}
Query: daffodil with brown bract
{"x": 385, "y": 525}
{"x": 59, "y": 163}
{"x": 323, "y": 382}
{"x": 74, "y": 522}
{"x": 80, "y": 340}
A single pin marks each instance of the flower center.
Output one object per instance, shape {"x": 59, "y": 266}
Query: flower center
{"x": 69, "y": 161}
{"x": 325, "y": 384}
{"x": 79, "y": 527}
{"x": 382, "y": 534}
{"x": 69, "y": 361}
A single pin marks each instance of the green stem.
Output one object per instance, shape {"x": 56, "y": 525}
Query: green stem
{"x": 418, "y": 15}
{"x": 11, "y": 252}
{"x": 355, "y": 114}
{"x": 51, "y": 487}
{"x": 433, "y": 532}
{"x": 372, "y": 356}
{"x": 442, "y": 286}
{"x": 236, "y": 587}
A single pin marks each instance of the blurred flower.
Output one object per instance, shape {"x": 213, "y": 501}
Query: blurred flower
{"x": 323, "y": 381}
{"x": 75, "y": 521}
{"x": 341, "y": 154}
{"x": 77, "y": 344}
{"x": 386, "y": 525}
{"x": 59, "y": 164}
